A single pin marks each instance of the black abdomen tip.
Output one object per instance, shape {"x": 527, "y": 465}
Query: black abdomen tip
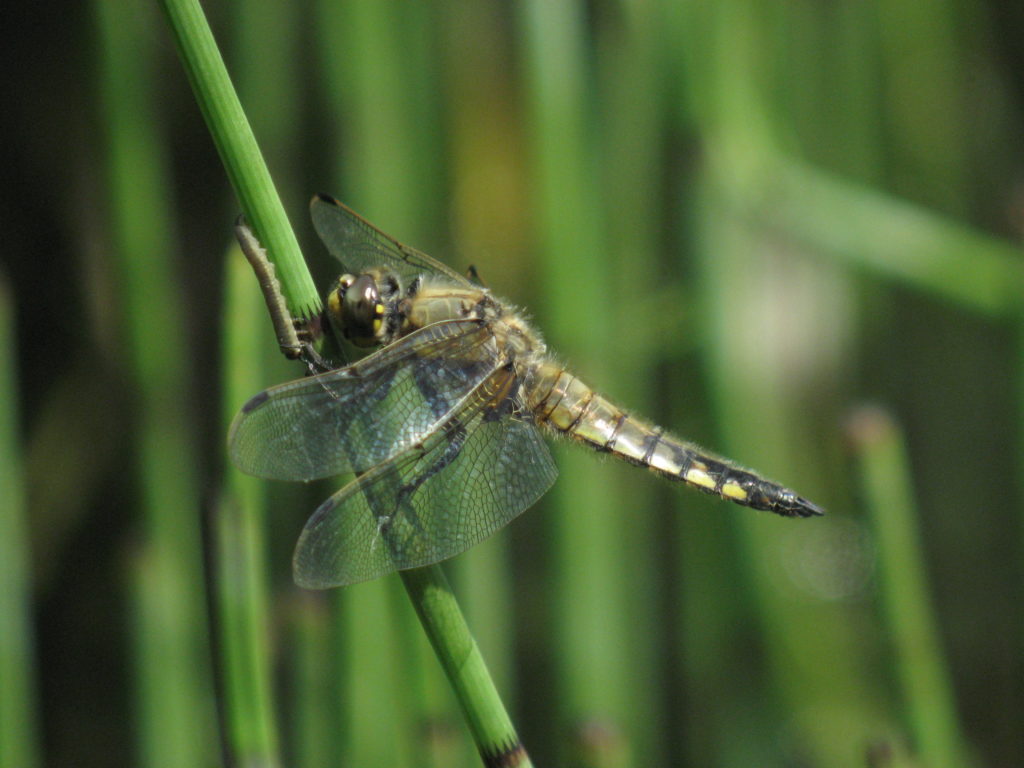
{"x": 786, "y": 503}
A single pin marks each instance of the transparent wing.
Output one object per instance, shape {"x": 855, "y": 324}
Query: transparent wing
{"x": 360, "y": 246}
{"x": 468, "y": 480}
{"x": 353, "y": 418}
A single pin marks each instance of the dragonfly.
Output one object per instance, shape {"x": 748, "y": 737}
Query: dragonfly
{"x": 443, "y": 422}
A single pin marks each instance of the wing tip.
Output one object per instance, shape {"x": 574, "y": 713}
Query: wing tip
{"x": 798, "y": 506}
{"x": 303, "y": 581}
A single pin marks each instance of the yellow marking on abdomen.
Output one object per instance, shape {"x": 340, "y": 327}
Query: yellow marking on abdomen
{"x": 699, "y": 477}
{"x": 734, "y": 492}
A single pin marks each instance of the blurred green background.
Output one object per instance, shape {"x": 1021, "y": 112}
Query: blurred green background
{"x": 745, "y": 220}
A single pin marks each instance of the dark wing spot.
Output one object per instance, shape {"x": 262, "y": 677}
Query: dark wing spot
{"x": 255, "y": 401}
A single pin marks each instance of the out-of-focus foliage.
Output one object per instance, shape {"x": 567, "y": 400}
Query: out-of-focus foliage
{"x": 742, "y": 219}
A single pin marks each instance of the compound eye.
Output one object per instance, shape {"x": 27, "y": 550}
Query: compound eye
{"x": 362, "y": 313}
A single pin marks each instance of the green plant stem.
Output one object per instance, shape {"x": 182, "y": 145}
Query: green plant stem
{"x": 762, "y": 416}
{"x": 900, "y": 240}
{"x": 587, "y": 530}
{"x": 173, "y": 706}
{"x": 460, "y": 657}
{"x": 18, "y": 726}
{"x": 313, "y": 707}
{"x": 919, "y": 664}
{"x": 239, "y": 152}
{"x": 239, "y": 532}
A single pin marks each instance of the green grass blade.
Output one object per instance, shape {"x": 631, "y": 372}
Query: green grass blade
{"x": 929, "y": 133}
{"x": 631, "y": 82}
{"x": 266, "y": 38}
{"x": 19, "y": 730}
{"x": 312, "y": 716}
{"x": 919, "y": 664}
{"x": 174, "y": 705}
{"x": 891, "y": 237}
{"x": 239, "y": 527}
{"x": 592, "y": 601}
{"x": 266, "y": 46}
{"x": 375, "y": 685}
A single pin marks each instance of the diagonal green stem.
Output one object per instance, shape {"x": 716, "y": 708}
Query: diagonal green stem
{"x": 460, "y": 657}
{"x": 238, "y": 150}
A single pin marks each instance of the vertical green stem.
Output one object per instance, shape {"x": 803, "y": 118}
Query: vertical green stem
{"x": 174, "y": 710}
{"x": 595, "y": 665}
{"x": 312, "y": 716}
{"x": 906, "y": 601}
{"x": 239, "y": 533}
{"x": 18, "y": 726}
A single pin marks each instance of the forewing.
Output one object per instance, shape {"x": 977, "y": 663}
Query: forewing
{"x": 360, "y": 246}
{"x": 353, "y": 418}
{"x": 427, "y": 505}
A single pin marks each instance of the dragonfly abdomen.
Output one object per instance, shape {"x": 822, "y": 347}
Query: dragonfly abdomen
{"x": 571, "y": 407}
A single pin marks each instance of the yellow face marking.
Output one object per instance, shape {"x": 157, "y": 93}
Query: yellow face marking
{"x": 699, "y": 477}
{"x": 334, "y": 304}
{"x": 733, "y": 491}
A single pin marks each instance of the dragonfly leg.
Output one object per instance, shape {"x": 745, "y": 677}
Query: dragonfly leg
{"x": 315, "y": 362}
{"x": 295, "y": 336}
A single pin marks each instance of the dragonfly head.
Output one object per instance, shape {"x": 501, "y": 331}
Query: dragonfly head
{"x": 357, "y": 311}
